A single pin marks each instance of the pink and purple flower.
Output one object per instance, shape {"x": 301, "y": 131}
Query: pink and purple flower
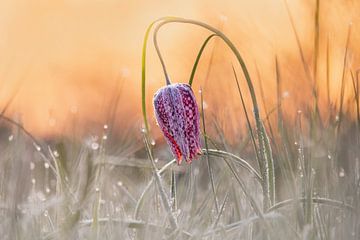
{"x": 178, "y": 116}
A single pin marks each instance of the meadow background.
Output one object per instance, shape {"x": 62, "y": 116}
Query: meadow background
{"x": 75, "y": 162}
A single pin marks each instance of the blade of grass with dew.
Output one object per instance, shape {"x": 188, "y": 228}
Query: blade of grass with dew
{"x": 286, "y": 153}
{"x": 247, "y": 120}
{"x": 317, "y": 200}
{"x": 173, "y": 194}
{"x": 147, "y": 188}
{"x": 342, "y": 92}
{"x": 163, "y": 196}
{"x": 210, "y": 172}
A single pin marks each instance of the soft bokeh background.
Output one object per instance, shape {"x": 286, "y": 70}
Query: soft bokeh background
{"x": 69, "y": 62}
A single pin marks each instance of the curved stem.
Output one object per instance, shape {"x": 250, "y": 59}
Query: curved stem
{"x": 191, "y": 79}
{"x": 167, "y": 80}
{"x": 143, "y": 71}
{"x": 324, "y": 201}
{"x": 210, "y": 152}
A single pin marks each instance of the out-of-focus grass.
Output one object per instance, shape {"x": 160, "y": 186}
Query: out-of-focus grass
{"x": 104, "y": 188}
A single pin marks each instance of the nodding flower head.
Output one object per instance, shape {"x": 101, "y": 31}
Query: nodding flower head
{"x": 177, "y": 114}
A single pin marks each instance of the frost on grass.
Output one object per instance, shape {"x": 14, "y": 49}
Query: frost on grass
{"x": 70, "y": 191}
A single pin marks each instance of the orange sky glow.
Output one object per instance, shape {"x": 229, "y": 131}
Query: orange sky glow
{"x": 79, "y": 62}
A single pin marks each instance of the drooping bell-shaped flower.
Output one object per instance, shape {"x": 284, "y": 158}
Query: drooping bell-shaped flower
{"x": 178, "y": 116}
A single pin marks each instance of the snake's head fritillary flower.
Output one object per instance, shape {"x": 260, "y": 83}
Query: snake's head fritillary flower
{"x": 178, "y": 116}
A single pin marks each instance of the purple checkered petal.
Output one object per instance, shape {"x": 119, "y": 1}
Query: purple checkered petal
{"x": 177, "y": 114}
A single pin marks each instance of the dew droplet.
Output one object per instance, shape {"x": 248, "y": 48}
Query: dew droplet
{"x": 104, "y": 137}
{"x": 94, "y": 145}
{"x": 56, "y": 153}
{"x": 46, "y": 213}
{"x": 46, "y": 165}
{"x": 156, "y": 160}
{"x": 47, "y": 190}
{"x": 32, "y": 166}
{"x": 33, "y": 180}
{"x": 106, "y": 126}
{"x": 119, "y": 183}
{"x": 341, "y": 172}
{"x": 97, "y": 189}
{"x": 11, "y": 137}
{"x": 152, "y": 142}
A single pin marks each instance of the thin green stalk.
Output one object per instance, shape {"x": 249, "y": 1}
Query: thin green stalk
{"x": 193, "y": 71}
{"x": 316, "y": 56}
{"x": 303, "y": 61}
{"x": 143, "y": 72}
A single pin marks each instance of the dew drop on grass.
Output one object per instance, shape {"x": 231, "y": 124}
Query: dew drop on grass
{"x": 94, "y": 146}
{"x": 156, "y": 160}
{"x": 11, "y": 137}
{"x": 106, "y": 126}
{"x": 37, "y": 147}
{"x": 97, "y": 189}
{"x": 47, "y": 190}
{"x": 46, "y": 165}
{"x": 119, "y": 183}
{"x": 32, "y": 166}
{"x": 33, "y": 180}
{"x": 46, "y": 213}
{"x": 56, "y": 153}
{"x": 152, "y": 142}
{"x": 104, "y": 137}
{"x": 341, "y": 172}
